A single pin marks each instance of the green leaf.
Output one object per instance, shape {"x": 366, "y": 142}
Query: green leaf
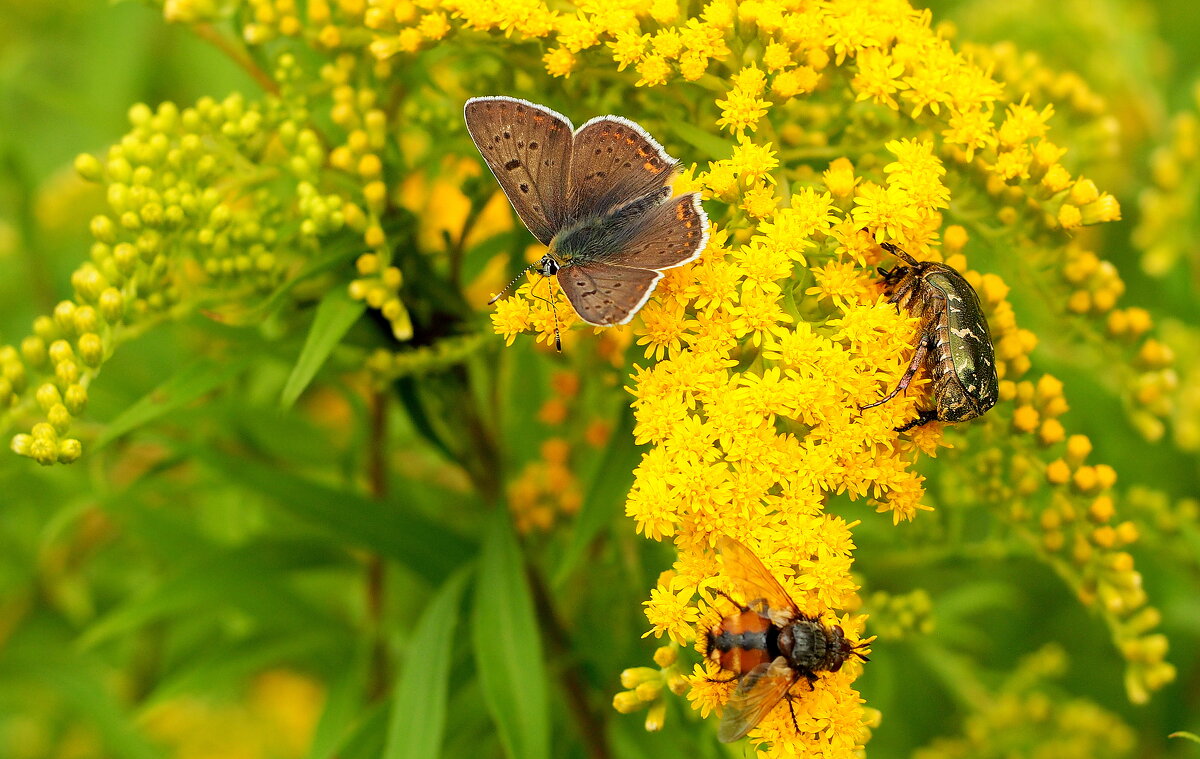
{"x": 392, "y": 529}
{"x": 508, "y": 648}
{"x": 607, "y": 493}
{"x": 331, "y": 257}
{"x": 1186, "y": 736}
{"x": 336, "y": 314}
{"x": 418, "y": 722}
{"x": 367, "y": 741}
{"x": 219, "y": 579}
{"x": 190, "y": 383}
{"x": 37, "y": 659}
{"x": 710, "y": 145}
{"x": 342, "y": 706}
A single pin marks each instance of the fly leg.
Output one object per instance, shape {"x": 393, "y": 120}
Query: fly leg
{"x": 758, "y": 605}
{"x": 792, "y": 710}
{"x": 917, "y": 359}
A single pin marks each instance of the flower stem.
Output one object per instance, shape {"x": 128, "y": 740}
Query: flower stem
{"x": 238, "y": 56}
{"x": 380, "y": 675}
{"x": 559, "y": 651}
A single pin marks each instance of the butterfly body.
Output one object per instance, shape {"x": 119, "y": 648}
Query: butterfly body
{"x": 597, "y": 196}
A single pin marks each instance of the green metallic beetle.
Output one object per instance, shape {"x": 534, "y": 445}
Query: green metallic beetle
{"x": 954, "y": 339}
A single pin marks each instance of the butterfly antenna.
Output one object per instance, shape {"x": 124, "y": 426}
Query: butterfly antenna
{"x": 510, "y": 284}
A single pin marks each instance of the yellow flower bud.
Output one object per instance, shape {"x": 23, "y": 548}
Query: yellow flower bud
{"x": 1078, "y": 448}
{"x": 1025, "y": 419}
{"x": 626, "y": 702}
{"x": 1057, "y": 472}
{"x": 1051, "y": 432}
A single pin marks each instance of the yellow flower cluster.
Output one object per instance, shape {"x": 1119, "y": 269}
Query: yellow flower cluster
{"x": 548, "y": 489}
{"x": 767, "y": 346}
{"x": 275, "y": 719}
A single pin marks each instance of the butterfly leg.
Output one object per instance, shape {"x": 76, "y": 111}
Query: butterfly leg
{"x": 554, "y": 311}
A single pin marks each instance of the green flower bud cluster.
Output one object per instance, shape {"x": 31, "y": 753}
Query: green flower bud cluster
{"x": 380, "y": 289}
{"x": 363, "y": 125}
{"x": 1170, "y": 525}
{"x": 1022, "y": 719}
{"x": 210, "y": 203}
{"x": 1078, "y": 534}
{"x": 388, "y": 365}
{"x": 1166, "y": 231}
{"x": 1075, "y": 529}
{"x": 901, "y": 615}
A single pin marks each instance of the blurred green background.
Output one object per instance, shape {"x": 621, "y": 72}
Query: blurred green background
{"x": 146, "y": 613}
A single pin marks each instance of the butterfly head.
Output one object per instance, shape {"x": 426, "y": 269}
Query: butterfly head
{"x": 548, "y": 266}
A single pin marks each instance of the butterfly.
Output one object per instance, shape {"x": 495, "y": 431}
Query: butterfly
{"x": 597, "y": 196}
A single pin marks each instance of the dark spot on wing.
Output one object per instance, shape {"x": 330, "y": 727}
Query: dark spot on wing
{"x": 533, "y": 145}
{"x": 524, "y": 187}
{"x": 514, "y": 163}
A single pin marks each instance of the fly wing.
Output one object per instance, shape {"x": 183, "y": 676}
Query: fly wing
{"x": 605, "y": 295}
{"x": 756, "y": 695}
{"x": 528, "y": 149}
{"x": 665, "y": 236}
{"x": 753, "y": 582}
{"x": 614, "y": 162}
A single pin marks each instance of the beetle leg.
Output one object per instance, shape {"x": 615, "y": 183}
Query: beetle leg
{"x": 923, "y": 418}
{"x": 917, "y": 359}
{"x": 908, "y": 284}
{"x": 898, "y": 253}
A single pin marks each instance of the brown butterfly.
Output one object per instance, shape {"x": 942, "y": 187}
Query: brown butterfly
{"x": 598, "y": 196}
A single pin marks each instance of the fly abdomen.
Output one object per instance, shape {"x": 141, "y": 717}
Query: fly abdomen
{"x": 742, "y": 641}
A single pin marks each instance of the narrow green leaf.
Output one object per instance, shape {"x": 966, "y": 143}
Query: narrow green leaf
{"x": 508, "y": 648}
{"x": 187, "y": 385}
{"x": 710, "y": 145}
{"x": 392, "y": 529}
{"x": 234, "y": 663}
{"x": 219, "y": 579}
{"x": 367, "y": 741}
{"x": 37, "y": 658}
{"x": 418, "y": 722}
{"x": 329, "y": 259}
{"x": 342, "y": 706}
{"x": 605, "y": 496}
{"x": 1186, "y": 736}
{"x": 336, "y": 314}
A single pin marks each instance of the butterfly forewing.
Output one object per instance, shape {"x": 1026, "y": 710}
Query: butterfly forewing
{"x": 756, "y": 695}
{"x": 528, "y": 148}
{"x": 753, "y": 582}
{"x": 605, "y": 295}
{"x": 614, "y": 162}
{"x": 667, "y": 235}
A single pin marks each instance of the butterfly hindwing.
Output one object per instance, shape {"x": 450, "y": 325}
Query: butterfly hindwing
{"x": 615, "y": 161}
{"x": 667, "y": 235}
{"x": 605, "y": 295}
{"x": 528, "y": 149}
